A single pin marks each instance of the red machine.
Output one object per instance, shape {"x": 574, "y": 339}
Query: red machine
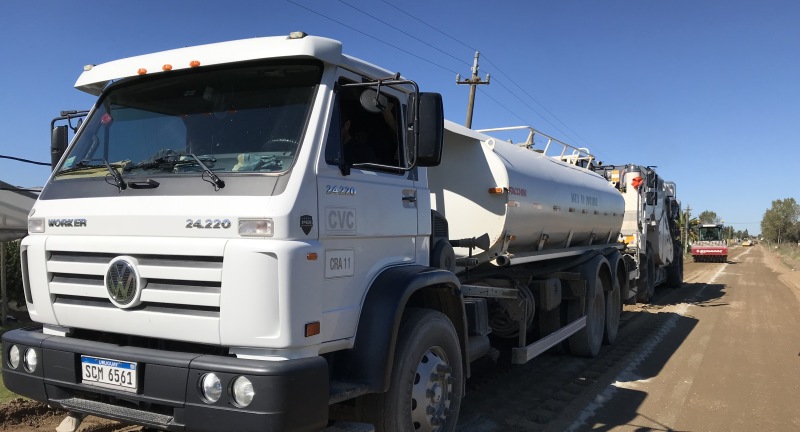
{"x": 710, "y": 247}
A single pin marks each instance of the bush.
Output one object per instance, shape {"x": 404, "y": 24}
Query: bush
{"x": 14, "y": 273}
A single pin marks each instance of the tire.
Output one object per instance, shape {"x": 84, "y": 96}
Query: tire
{"x": 427, "y": 377}
{"x": 675, "y": 269}
{"x": 613, "y": 311}
{"x": 647, "y": 284}
{"x": 587, "y": 341}
{"x": 642, "y": 295}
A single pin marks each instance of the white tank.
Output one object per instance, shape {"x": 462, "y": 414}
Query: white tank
{"x": 526, "y": 201}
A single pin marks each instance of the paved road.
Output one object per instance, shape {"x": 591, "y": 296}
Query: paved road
{"x": 721, "y": 353}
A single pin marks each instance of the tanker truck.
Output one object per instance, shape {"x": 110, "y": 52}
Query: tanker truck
{"x": 710, "y": 245}
{"x": 268, "y": 234}
{"x": 653, "y": 248}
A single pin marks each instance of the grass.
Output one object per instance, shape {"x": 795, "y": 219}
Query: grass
{"x": 5, "y": 394}
{"x": 788, "y": 253}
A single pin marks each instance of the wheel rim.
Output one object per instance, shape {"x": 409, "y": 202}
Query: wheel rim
{"x": 599, "y": 318}
{"x": 431, "y": 391}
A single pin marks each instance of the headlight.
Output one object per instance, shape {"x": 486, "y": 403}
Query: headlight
{"x": 35, "y": 225}
{"x": 211, "y": 388}
{"x": 13, "y": 357}
{"x": 256, "y": 227}
{"x": 243, "y": 392}
{"x": 31, "y": 360}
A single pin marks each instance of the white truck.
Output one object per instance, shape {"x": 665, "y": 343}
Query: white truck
{"x": 650, "y": 229}
{"x": 268, "y": 234}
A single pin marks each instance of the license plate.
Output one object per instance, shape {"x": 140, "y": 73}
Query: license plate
{"x": 108, "y": 373}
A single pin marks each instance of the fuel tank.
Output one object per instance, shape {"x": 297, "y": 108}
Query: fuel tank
{"x": 525, "y": 200}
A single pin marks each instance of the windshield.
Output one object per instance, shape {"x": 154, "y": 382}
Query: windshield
{"x": 709, "y": 234}
{"x": 249, "y": 119}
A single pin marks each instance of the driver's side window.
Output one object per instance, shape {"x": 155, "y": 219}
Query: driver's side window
{"x": 359, "y": 136}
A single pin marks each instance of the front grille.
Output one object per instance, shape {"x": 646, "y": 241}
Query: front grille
{"x": 183, "y": 285}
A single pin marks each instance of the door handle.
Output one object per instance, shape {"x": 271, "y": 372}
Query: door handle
{"x": 409, "y": 198}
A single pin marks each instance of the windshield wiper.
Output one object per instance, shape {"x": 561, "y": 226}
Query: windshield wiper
{"x": 118, "y": 180}
{"x": 174, "y": 160}
{"x": 216, "y": 181}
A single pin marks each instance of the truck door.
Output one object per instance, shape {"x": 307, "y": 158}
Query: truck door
{"x": 368, "y": 215}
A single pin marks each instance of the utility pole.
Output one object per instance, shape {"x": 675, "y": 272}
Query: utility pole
{"x": 686, "y": 228}
{"x": 473, "y": 81}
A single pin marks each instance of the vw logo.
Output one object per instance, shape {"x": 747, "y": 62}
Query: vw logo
{"x": 123, "y": 282}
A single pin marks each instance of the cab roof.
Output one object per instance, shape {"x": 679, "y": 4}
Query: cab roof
{"x": 95, "y": 77}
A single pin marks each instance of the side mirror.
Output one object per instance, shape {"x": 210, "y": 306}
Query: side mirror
{"x": 58, "y": 145}
{"x": 373, "y": 102}
{"x": 430, "y": 128}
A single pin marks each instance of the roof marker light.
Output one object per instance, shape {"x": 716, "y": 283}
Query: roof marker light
{"x": 297, "y": 35}
{"x": 166, "y": 67}
{"x": 194, "y": 63}
{"x": 141, "y": 71}
{"x": 88, "y": 67}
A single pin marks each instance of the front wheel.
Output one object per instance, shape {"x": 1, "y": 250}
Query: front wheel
{"x": 427, "y": 377}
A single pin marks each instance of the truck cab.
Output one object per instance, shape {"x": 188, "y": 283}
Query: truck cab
{"x": 209, "y": 195}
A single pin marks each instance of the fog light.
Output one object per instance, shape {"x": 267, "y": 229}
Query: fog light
{"x": 31, "y": 360}
{"x": 13, "y": 357}
{"x": 211, "y": 388}
{"x": 243, "y": 392}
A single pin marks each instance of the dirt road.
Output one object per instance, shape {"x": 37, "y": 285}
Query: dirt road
{"x": 729, "y": 362}
{"x": 720, "y": 353}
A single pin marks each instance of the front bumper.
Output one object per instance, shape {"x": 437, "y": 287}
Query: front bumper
{"x": 291, "y": 395}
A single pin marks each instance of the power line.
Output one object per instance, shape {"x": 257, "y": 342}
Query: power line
{"x": 371, "y": 37}
{"x": 444, "y": 67}
{"x": 24, "y": 160}
{"x": 537, "y": 103}
{"x": 500, "y": 71}
{"x": 503, "y": 106}
{"x": 430, "y": 26}
{"x": 21, "y": 189}
{"x": 404, "y": 32}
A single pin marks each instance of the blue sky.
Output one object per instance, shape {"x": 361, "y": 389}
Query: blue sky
{"x": 707, "y": 90}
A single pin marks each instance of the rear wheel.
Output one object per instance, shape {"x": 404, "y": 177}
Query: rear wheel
{"x": 588, "y": 340}
{"x": 613, "y": 310}
{"x": 675, "y": 269}
{"x": 642, "y": 291}
{"x": 427, "y": 377}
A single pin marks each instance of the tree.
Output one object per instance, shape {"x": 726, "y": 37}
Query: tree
{"x": 780, "y": 222}
{"x": 709, "y": 217}
{"x": 13, "y": 272}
